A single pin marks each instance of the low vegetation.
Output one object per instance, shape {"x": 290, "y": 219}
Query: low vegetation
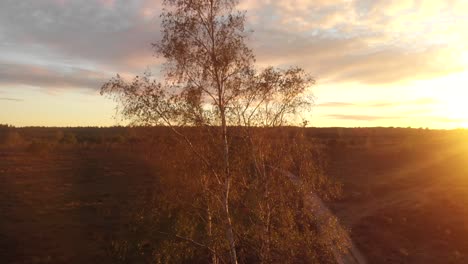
{"x": 124, "y": 201}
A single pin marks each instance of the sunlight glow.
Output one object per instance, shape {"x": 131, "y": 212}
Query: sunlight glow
{"x": 464, "y": 59}
{"x": 455, "y": 100}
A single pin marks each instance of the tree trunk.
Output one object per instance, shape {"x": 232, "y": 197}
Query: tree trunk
{"x": 230, "y": 231}
{"x": 214, "y": 257}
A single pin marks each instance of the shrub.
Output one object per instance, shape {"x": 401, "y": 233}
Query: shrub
{"x": 11, "y": 138}
{"x": 39, "y": 147}
{"x": 69, "y": 138}
{"x": 118, "y": 139}
{"x": 59, "y": 135}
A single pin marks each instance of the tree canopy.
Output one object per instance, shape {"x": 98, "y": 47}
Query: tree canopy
{"x": 251, "y": 210}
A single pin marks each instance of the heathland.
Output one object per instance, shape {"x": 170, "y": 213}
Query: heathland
{"x": 86, "y": 195}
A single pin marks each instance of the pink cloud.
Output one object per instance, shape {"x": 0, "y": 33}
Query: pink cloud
{"x": 107, "y": 3}
{"x": 60, "y": 2}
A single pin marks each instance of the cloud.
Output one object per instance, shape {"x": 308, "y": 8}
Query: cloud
{"x": 392, "y": 66}
{"x": 352, "y": 60}
{"x": 335, "y": 104}
{"x": 371, "y": 42}
{"x": 444, "y": 119}
{"x": 383, "y": 104}
{"x": 110, "y": 34}
{"x": 10, "y": 99}
{"x": 362, "y": 117}
{"x": 51, "y": 78}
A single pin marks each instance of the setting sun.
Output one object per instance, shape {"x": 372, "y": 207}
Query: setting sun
{"x": 453, "y": 99}
{"x": 464, "y": 59}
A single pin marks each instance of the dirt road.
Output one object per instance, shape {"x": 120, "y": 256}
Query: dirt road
{"x": 352, "y": 255}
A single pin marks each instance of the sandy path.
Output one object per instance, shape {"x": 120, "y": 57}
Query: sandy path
{"x": 349, "y": 256}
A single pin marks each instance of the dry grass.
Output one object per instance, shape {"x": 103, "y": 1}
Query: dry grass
{"x": 406, "y": 205}
{"x": 404, "y": 201}
{"x": 64, "y": 207}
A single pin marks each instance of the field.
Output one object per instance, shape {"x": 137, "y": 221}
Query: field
{"x": 66, "y": 206}
{"x": 405, "y": 193}
{"x": 406, "y": 203}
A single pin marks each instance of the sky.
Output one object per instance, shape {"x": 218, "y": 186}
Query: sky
{"x": 401, "y": 63}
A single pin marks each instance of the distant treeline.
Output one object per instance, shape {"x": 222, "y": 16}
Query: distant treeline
{"x": 121, "y": 134}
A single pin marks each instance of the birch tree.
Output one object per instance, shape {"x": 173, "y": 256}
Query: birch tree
{"x": 210, "y": 83}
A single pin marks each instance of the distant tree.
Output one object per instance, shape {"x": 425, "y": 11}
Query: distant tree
{"x": 211, "y": 84}
{"x": 69, "y": 138}
{"x": 58, "y": 136}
